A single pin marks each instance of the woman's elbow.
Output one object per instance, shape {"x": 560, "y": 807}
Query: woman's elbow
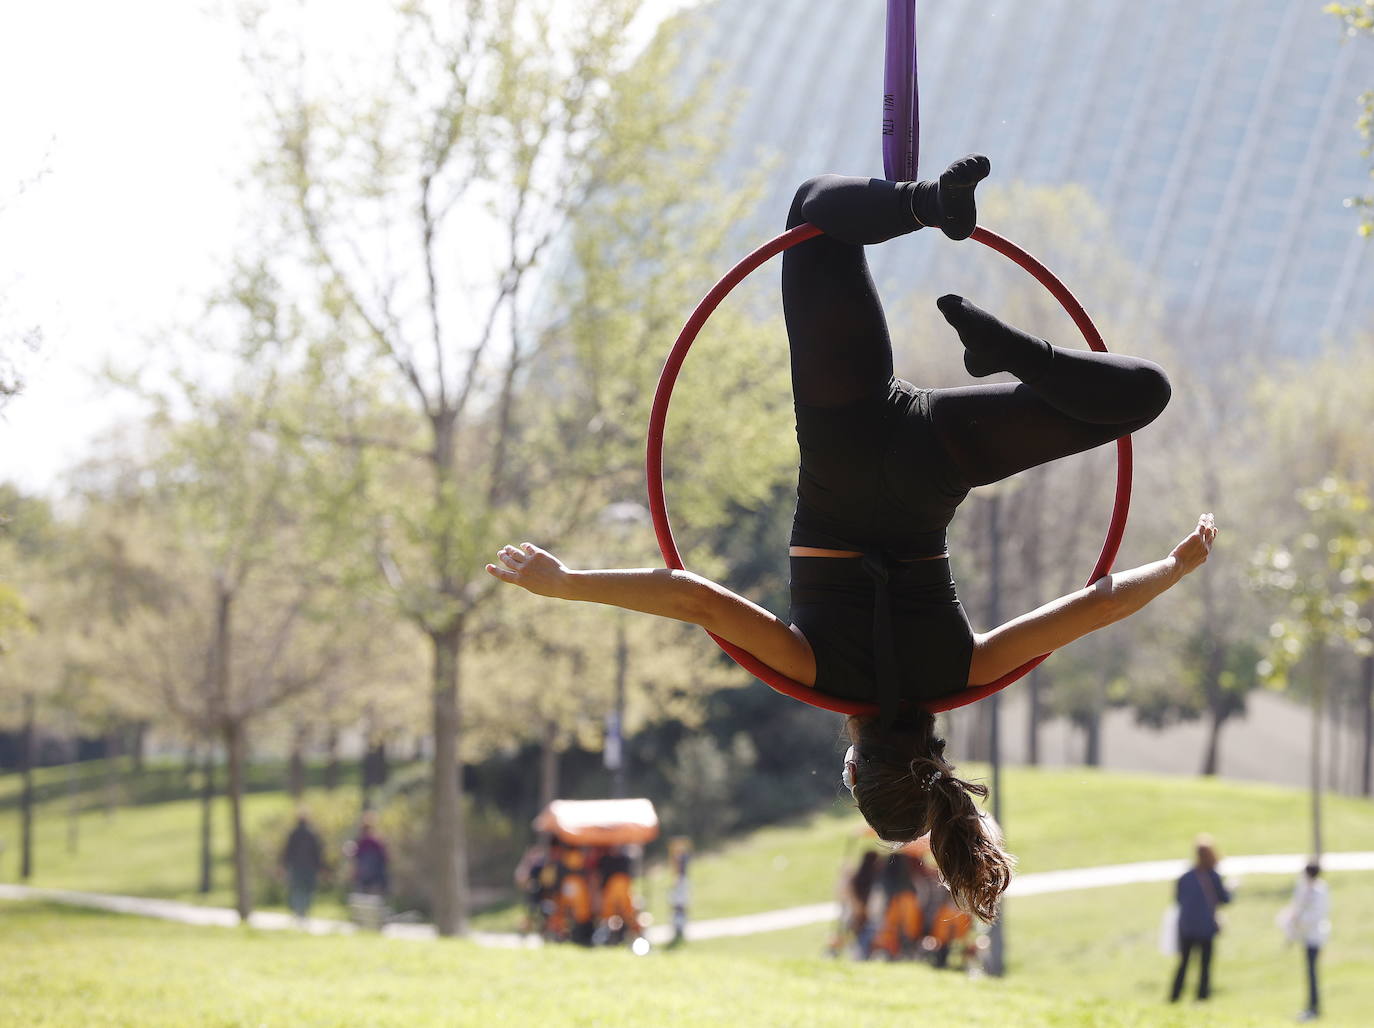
{"x": 696, "y": 600}
{"x": 1108, "y": 603}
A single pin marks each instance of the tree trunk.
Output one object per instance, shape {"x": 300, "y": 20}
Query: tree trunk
{"x": 138, "y": 745}
{"x": 1212, "y": 689}
{"x": 446, "y": 819}
{"x": 1367, "y": 717}
{"x": 27, "y": 755}
{"x": 1092, "y": 738}
{"x": 615, "y": 741}
{"x": 295, "y": 768}
{"x": 1318, "y": 695}
{"x": 235, "y": 745}
{"x": 376, "y": 770}
{"x": 1034, "y": 685}
{"x": 997, "y": 948}
{"x": 73, "y": 800}
{"x": 207, "y": 803}
{"x": 1211, "y": 752}
{"x": 114, "y": 751}
{"x": 548, "y": 765}
{"x": 1334, "y": 714}
{"x": 1033, "y": 554}
{"x": 331, "y": 764}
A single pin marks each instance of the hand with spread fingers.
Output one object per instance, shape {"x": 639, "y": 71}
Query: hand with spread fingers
{"x": 531, "y": 568}
{"x": 1191, "y": 553}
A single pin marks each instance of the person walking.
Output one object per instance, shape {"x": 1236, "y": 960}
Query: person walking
{"x": 371, "y": 878}
{"x": 1199, "y": 892}
{"x": 1308, "y": 921}
{"x": 302, "y": 859}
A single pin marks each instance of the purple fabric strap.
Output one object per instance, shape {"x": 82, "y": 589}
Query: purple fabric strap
{"x": 901, "y": 106}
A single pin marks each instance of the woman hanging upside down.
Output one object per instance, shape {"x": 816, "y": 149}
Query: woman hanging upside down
{"x": 884, "y": 465}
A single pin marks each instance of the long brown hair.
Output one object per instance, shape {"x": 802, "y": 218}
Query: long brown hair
{"x": 905, "y": 787}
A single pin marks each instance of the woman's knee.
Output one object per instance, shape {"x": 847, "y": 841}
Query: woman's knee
{"x": 1154, "y": 390}
{"x": 806, "y": 195}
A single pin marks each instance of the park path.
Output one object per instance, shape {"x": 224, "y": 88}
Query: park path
{"x": 1034, "y": 884}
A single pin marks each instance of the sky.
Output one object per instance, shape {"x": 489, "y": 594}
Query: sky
{"x": 125, "y": 132}
{"x": 123, "y": 140}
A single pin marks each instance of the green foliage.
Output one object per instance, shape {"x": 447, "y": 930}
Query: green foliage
{"x": 1359, "y": 18}
{"x": 1324, "y": 576}
{"x": 15, "y": 622}
{"x": 702, "y": 778}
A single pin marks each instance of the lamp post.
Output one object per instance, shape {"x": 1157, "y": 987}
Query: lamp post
{"x": 622, "y": 518}
{"x": 996, "y": 937}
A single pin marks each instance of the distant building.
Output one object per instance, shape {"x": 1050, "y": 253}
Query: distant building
{"x": 1219, "y": 136}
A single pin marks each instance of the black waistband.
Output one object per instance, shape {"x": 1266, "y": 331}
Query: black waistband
{"x": 812, "y": 528}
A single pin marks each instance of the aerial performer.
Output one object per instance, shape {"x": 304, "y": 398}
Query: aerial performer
{"x": 884, "y": 465}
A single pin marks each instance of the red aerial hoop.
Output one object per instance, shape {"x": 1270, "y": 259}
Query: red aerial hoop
{"x": 659, "y": 509}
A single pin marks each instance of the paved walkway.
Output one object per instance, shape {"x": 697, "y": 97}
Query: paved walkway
{"x": 1034, "y": 884}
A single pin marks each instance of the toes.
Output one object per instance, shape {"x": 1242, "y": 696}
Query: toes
{"x": 967, "y": 171}
{"x": 951, "y": 306}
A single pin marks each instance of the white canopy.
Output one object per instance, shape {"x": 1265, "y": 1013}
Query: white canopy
{"x": 600, "y": 822}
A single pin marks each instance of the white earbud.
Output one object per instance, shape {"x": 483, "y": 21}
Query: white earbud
{"x": 848, "y": 772}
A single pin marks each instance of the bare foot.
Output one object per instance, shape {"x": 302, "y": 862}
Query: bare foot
{"x": 1191, "y": 553}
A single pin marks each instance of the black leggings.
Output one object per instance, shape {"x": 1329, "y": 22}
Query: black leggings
{"x": 1204, "y": 958}
{"x": 841, "y": 352}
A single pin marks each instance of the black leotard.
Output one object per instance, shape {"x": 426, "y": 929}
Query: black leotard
{"x": 884, "y": 464}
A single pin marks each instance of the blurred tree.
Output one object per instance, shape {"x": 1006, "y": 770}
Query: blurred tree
{"x": 1358, "y": 18}
{"x": 16, "y": 625}
{"x": 254, "y": 558}
{"x": 437, "y": 178}
{"x": 45, "y": 681}
{"x": 19, "y": 341}
{"x": 1326, "y": 577}
{"x": 1314, "y": 418}
{"x": 702, "y": 778}
{"x": 1201, "y": 655}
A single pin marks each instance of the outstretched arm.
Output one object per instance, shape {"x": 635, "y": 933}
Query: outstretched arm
{"x": 680, "y": 595}
{"x": 1071, "y": 617}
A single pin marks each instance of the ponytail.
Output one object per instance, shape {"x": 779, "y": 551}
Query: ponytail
{"x": 967, "y": 844}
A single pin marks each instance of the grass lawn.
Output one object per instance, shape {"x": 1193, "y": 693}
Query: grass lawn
{"x": 1103, "y": 943}
{"x": 64, "y": 967}
{"x": 147, "y": 849}
{"x": 1085, "y": 958}
{"x": 1054, "y": 819}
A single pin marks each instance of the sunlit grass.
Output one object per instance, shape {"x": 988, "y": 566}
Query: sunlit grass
{"x": 150, "y": 850}
{"x": 1104, "y": 943}
{"x": 1061, "y": 818}
{"x": 61, "y": 967}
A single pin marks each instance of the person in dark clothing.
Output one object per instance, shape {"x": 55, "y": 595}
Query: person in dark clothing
{"x": 370, "y": 871}
{"x": 860, "y": 888}
{"x": 302, "y": 859}
{"x": 1198, "y": 892}
{"x": 884, "y": 465}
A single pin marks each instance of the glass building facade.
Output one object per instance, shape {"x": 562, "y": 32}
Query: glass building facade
{"x": 1218, "y": 136}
